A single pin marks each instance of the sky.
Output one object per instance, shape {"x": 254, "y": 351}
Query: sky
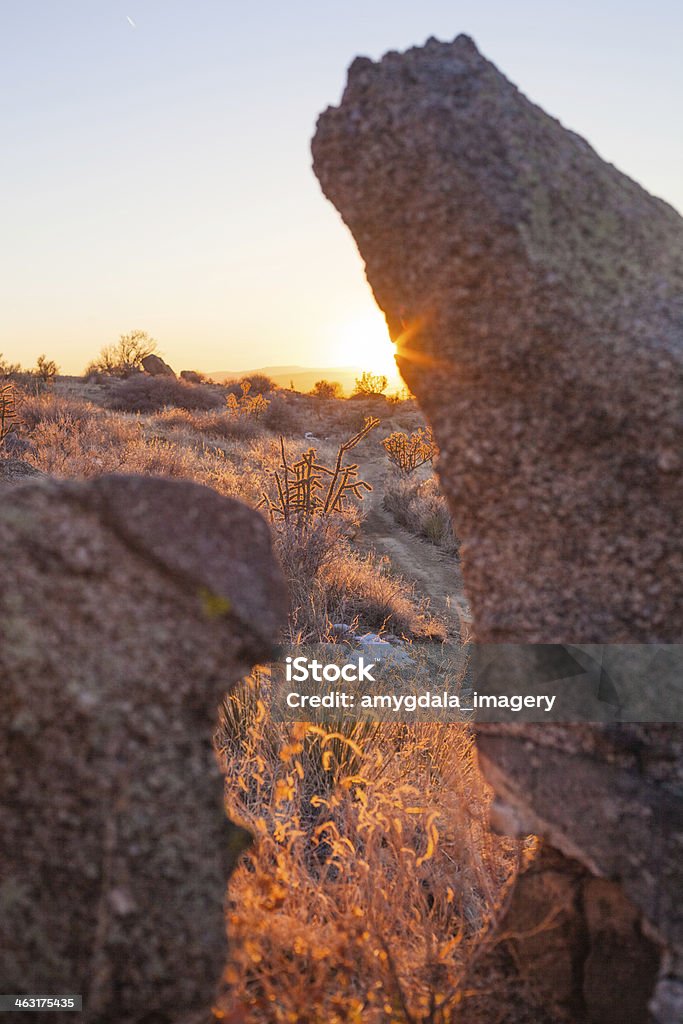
{"x": 156, "y": 169}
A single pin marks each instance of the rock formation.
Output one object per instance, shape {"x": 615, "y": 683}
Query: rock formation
{"x": 536, "y": 295}
{"x": 156, "y": 367}
{"x": 128, "y": 606}
{"x": 12, "y": 470}
{"x": 191, "y": 377}
{"x": 536, "y": 298}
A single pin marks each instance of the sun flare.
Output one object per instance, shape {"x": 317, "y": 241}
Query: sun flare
{"x": 364, "y": 341}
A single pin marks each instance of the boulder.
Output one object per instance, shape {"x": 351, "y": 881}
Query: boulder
{"x": 192, "y": 377}
{"x": 578, "y": 944}
{"x": 128, "y": 607}
{"x": 12, "y": 470}
{"x": 535, "y": 297}
{"x": 156, "y": 367}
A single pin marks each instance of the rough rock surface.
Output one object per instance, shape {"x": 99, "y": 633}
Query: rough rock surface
{"x": 191, "y": 376}
{"x": 536, "y": 295}
{"x": 128, "y": 607}
{"x": 579, "y": 943}
{"x": 610, "y": 801}
{"x": 156, "y": 367}
{"x": 12, "y": 470}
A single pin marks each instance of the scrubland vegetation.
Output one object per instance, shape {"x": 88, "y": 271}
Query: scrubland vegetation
{"x": 373, "y": 884}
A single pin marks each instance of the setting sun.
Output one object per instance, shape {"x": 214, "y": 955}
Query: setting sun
{"x": 364, "y": 341}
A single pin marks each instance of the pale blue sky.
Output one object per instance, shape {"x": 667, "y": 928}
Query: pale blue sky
{"x": 158, "y": 176}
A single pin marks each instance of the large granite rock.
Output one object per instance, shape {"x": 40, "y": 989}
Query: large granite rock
{"x": 128, "y": 606}
{"x": 536, "y": 295}
{"x": 156, "y": 367}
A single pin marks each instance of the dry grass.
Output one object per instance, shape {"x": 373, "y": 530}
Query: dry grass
{"x": 420, "y": 506}
{"x": 374, "y": 883}
{"x": 330, "y": 582}
{"x": 79, "y": 440}
{"x": 361, "y": 587}
{"x": 236, "y": 456}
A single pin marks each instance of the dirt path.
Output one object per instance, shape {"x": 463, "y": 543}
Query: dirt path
{"x": 435, "y": 574}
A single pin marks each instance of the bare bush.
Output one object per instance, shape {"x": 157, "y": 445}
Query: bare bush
{"x": 207, "y": 423}
{"x": 51, "y": 407}
{"x": 193, "y": 376}
{"x": 46, "y": 370}
{"x": 8, "y": 370}
{"x": 73, "y": 439}
{"x": 123, "y": 358}
{"x": 307, "y": 560}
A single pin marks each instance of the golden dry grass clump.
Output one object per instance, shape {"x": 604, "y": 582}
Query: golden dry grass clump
{"x": 420, "y": 506}
{"x": 374, "y": 883}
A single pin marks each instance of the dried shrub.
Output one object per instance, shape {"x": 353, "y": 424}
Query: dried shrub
{"x": 307, "y": 560}
{"x": 283, "y": 415}
{"x": 410, "y": 451}
{"x": 68, "y": 445}
{"x": 421, "y": 508}
{"x": 46, "y": 370}
{"x": 374, "y": 884}
{"x": 50, "y": 407}
{"x": 193, "y": 376}
{"x": 8, "y": 371}
{"x": 259, "y": 383}
{"x": 327, "y": 389}
{"x": 151, "y": 394}
{"x": 123, "y": 358}
{"x": 370, "y": 384}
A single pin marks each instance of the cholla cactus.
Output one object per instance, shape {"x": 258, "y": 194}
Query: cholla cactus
{"x": 9, "y": 418}
{"x": 247, "y": 405}
{"x": 307, "y": 488}
{"x": 410, "y": 451}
